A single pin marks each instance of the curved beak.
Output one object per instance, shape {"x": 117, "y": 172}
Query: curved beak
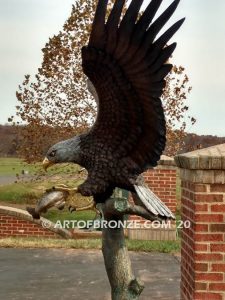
{"x": 47, "y": 163}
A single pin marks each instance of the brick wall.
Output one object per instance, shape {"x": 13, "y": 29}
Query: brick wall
{"x": 12, "y": 226}
{"x": 162, "y": 181}
{"x": 203, "y": 244}
{"x": 18, "y": 223}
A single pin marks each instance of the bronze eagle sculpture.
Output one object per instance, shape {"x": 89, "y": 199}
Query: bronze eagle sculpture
{"x": 127, "y": 64}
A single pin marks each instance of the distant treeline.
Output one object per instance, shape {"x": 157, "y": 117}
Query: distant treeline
{"x": 10, "y": 139}
{"x": 194, "y": 141}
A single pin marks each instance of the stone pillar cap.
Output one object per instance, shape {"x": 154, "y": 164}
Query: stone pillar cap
{"x": 211, "y": 158}
{"x": 166, "y": 161}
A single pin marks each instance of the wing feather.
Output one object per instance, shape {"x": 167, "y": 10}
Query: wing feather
{"x": 112, "y": 26}
{"x": 126, "y": 28}
{"x": 162, "y": 41}
{"x": 128, "y": 68}
{"x": 97, "y": 37}
{"x": 141, "y": 27}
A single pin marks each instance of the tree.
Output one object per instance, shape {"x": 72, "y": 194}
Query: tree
{"x": 57, "y": 104}
{"x": 176, "y": 110}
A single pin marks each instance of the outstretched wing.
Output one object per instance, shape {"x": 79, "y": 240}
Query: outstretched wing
{"x": 127, "y": 65}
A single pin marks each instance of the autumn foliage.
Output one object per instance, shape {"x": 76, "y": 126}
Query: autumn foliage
{"x": 57, "y": 104}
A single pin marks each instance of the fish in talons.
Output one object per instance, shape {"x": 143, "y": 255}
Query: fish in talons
{"x": 60, "y": 197}
{"x": 50, "y": 199}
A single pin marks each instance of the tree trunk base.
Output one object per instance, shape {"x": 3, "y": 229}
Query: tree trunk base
{"x": 124, "y": 285}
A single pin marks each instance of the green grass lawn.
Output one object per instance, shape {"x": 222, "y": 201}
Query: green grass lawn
{"x": 11, "y": 166}
{"x": 18, "y": 193}
{"x": 29, "y": 192}
{"x": 29, "y": 189}
{"x": 133, "y": 245}
{"x": 55, "y": 215}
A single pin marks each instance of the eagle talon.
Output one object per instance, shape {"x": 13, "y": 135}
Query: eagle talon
{"x": 72, "y": 209}
{"x": 98, "y": 217}
{"x": 61, "y": 185}
{"x": 99, "y": 211}
{"x": 65, "y": 188}
{"x": 49, "y": 190}
{"x": 89, "y": 206}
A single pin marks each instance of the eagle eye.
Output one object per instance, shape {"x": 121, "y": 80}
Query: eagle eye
{"x": 53, "y": 153}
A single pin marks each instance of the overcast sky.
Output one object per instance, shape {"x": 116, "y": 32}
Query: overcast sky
{"x": 26, "y": 25}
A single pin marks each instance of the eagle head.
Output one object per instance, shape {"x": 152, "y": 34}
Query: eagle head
{"x": 63, "y": 152}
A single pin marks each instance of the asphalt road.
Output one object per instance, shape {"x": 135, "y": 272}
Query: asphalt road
{"x": 7, "y": 179}
{"x": 51, "y": 274}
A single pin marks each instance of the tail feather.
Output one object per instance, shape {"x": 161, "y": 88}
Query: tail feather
{"x": 152, "y": 203}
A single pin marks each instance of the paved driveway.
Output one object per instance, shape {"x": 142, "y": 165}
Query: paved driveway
{"x": 79, "y": 274}
{"x": 7, "y": 179}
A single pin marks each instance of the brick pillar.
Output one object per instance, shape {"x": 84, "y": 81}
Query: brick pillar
{"x": 203, "y": 204}
{"x": 162, "y": 181}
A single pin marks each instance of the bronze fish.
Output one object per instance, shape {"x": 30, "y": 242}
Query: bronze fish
{"x": 52, "y": 198}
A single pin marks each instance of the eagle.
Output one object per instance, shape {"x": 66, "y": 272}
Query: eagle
{"x": 127, "y": 63}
